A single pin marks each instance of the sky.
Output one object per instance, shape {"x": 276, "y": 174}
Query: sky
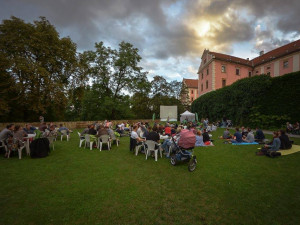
{"x": 171, "y": 35}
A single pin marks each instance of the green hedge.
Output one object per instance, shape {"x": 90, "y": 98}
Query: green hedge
{"x": 257, "y": 101}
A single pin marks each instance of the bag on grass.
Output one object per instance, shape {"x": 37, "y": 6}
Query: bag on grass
{"x": 273, "y": 154}
{"x": 39, "y": 148}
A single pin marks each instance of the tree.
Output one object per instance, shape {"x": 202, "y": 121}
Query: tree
{"x": 117, "y": 72}
{"x": 39, "y": 65}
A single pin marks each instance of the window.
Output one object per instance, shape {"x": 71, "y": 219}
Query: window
{"x": 237, "y": 71}
{"x": 223, "y": 82}
{"x": 192, "y": 99}
{"x": 207, "y": 71}
{"x": 223, "y": 69}
{"x": 197, "y": 91}
{"x": 250, "y": 74}
{"x": 192, "y": 92}
{"x": 268, "y": 67}
{"x": 268, "y": 73}
{"x": 256, "y": 72}
{"x": 207, "y": 84}
{"x": 285, "y": 64}
{"x": 202, "y": 76}
{"x": 204, "y": 61}
{"x": 201, "y": 87}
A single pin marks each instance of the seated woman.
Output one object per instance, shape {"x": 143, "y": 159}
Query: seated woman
{"x": 226, "y": 134}
{"x": 199, "y": 139}
{"x": 275, "y": 144}
{"x": 250, "y": 136}
{"x": 285, "y": 142}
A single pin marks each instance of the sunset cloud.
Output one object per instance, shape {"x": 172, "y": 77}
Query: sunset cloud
{"x": 171, "y": 34}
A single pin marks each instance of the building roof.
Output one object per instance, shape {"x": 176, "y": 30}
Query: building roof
{"x": 191, "y": 83}
{"x": 269, "y": 56}
{"x": 230, "y": 58}
{"x": 278, "y": 52}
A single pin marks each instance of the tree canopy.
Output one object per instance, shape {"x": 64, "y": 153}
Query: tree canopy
{"x": 42, "y": 73}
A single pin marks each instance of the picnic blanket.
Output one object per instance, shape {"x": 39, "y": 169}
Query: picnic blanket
{"x": 245, "y": 143}
{"x": 295, "y": 148}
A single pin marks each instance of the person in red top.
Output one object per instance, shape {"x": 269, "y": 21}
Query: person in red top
{"x": 168, "y": 129}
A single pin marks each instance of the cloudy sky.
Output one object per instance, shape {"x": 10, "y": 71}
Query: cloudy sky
{"x": 170, "y": 34}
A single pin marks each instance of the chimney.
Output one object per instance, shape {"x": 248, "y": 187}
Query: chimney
{"x": 247, "y": 59}
{"x": 261, "y": 53}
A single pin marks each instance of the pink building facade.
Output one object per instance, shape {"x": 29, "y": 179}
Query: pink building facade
{"x": 192, "y": 88}
{"x": 219, "y": 70}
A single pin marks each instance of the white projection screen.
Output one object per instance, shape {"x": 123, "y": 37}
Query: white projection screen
{"x": 168, "y": 111}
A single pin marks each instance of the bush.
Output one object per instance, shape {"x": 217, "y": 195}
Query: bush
{"x": 257, "y": 101}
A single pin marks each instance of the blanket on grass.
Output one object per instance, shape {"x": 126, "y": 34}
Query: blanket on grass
{"x": 245, "y": 143}
{"x": 295, "y": 148}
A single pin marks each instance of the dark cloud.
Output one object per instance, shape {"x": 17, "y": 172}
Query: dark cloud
{"x": 161, "y": 33}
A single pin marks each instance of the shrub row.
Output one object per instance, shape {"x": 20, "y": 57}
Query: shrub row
{"x": 256, "y": 101}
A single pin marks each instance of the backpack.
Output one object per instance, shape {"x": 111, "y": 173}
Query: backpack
{"x": 273, "y": 154}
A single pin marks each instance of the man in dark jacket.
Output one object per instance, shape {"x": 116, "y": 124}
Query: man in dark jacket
{"x": 259, "y": 135}
{"x": 205, "y": 136}
{"x": 284, "y": 140}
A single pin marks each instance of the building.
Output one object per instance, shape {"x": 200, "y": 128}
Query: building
{"x": 192, "y": 89}
{"x": 219, "y": 70}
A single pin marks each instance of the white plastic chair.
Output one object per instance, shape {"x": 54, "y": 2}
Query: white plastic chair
{"x": 64, "y": 133}
{"x": 51, "y": 141}
{"x": 88, "y": 141}
{"x": 16, "y": 141}
{"x": 80, "y": 139}
{"x": 151, "y": 147}
{"x": 137, "y": 148}
{"x": 104, "y": 139}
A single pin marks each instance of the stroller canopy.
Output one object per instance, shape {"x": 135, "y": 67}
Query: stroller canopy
{"x": 188, "y": 116}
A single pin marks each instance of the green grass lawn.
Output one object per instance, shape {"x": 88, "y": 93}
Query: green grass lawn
{"x": 231, "y": 185}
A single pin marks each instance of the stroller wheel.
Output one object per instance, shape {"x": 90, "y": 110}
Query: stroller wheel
{"x": 173, "y": 160}
{"x": 192, "y": 165}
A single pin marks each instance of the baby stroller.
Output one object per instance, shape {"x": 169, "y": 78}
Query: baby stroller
{"x": 183, "y": 151}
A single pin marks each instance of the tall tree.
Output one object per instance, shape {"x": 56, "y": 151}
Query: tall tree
{"x": 40, "y": 64}
{"x": 117, "y": 72}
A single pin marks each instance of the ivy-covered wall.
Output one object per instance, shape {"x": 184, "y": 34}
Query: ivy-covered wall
{"x": 257, "y": 101}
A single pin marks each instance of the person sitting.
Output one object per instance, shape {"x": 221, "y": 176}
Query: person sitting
{"x": 250, "y": 136}
{"x": 167, "y": 129}
{"x": 7, "y": 132}
{"x": 226, "y": 134}
{"x": 85, "y": 131}
{"x": 51, "y": 132}
{"x": 199, "y": 139}
{"x": 61, "y": 128}
{"x": 102, "y": 131}
{"x": 135, "y": 136}
{"x": 205, "y": 135}
{"x": 29, "y": 129}
{"x": 289, "y": 127}
{"x": 274, "y": 145}
{"x": 92, "y": 130}
{"x": 237, "y": 137}
{"x": 19, "y": 134}
{"x": 244, "y": 132}
{"x": 259, "y": 135}
{"x": 43, "y": 127}
{"x": 153, "y": 136}
{"x": 285, "y": 142}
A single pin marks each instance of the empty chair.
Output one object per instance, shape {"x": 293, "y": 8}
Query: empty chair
{"x": 116, "y": 140}
{"x": 88, "y": 141}
{"x": 151, "y": 146}
{"x": 51, "y": 141}
{"x": 138, "y": 147}
{"x": 64, "y": 133}
{"x": 104, "y": 139}
{"x": 81, "y": 139}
